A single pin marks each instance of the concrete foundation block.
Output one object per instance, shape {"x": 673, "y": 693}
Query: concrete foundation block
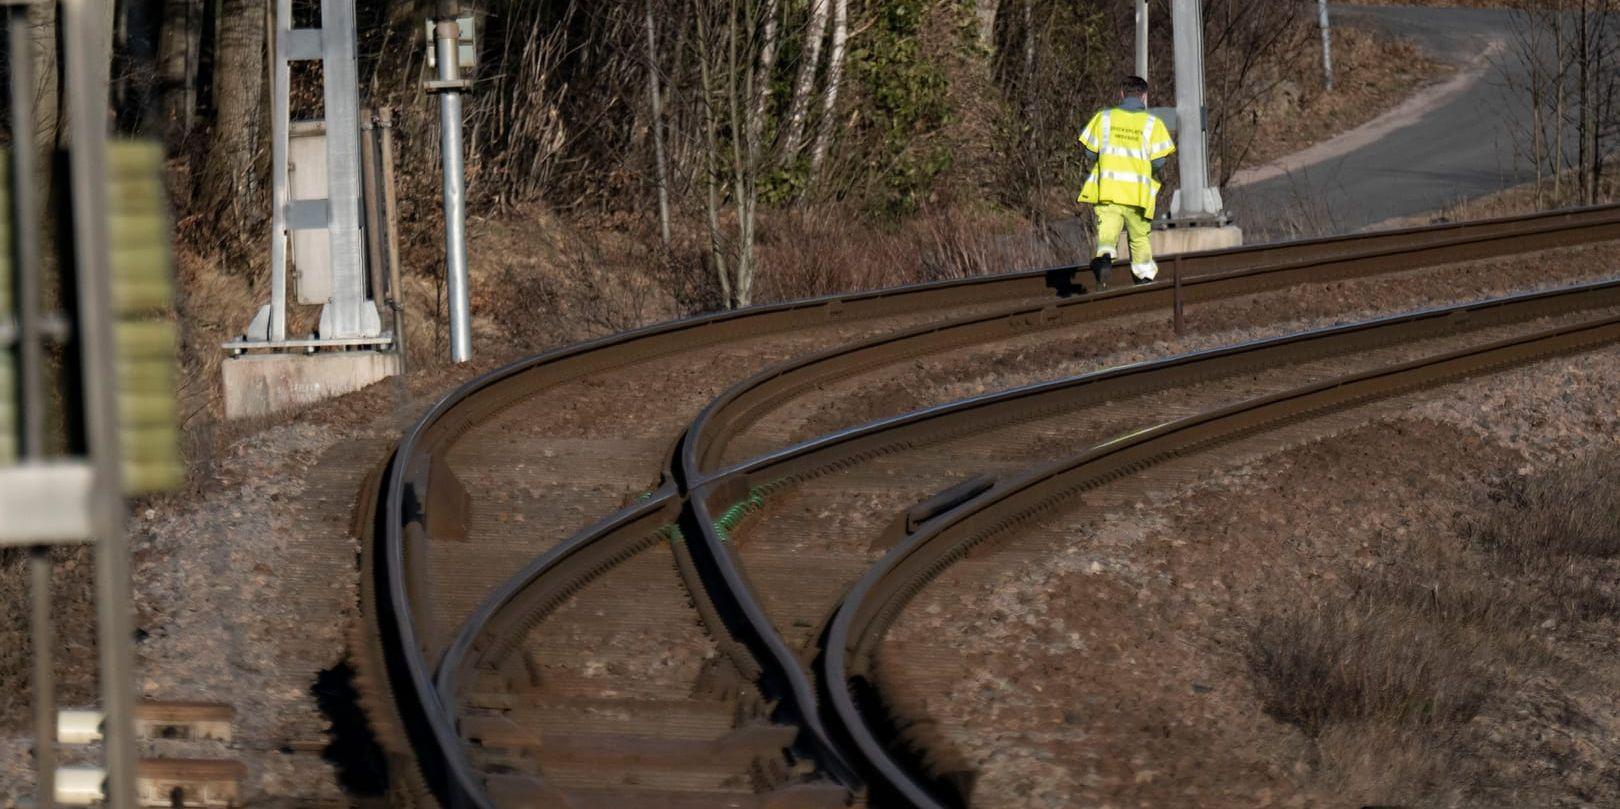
{"x": 262, "y": 384}
{"x": 1170, "y": 241}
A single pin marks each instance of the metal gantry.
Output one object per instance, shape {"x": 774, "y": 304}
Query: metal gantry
{"x": 349, "y": 317}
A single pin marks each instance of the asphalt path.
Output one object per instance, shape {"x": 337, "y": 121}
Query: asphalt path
{"x": 1459, "y": 147}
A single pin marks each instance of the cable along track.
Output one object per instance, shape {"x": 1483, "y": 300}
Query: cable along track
{"x": 526, "y": 600}
{"x": 403, "y": 642}
{"x": 902, "y": 772}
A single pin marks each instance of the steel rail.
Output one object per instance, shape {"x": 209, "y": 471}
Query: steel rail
{"x": 745, "y": 401}
{"x": 877, "y": 599}
{"x": 409, "y": 666}
{"x": 516, "y": 606}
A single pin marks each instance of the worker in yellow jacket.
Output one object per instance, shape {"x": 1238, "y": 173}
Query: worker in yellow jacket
{"x": 1127, "y": 146}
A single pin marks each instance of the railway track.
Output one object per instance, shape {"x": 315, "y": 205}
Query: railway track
{"x": 900, "y": 750}
{"x": 465, "y": 707}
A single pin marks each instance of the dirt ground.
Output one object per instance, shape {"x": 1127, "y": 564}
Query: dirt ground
{"x": 1320, "y": 627}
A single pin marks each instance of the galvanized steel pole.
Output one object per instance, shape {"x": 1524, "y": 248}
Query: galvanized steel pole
{"x": 448, "y": 39}
{"x": 1142, "y": 38}
{"x": 1189, "y": 51}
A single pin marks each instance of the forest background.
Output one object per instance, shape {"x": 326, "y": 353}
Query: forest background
{"x": 634, "y": 160}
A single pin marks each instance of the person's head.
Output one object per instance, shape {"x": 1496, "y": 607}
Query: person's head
{"x": 1133, "y": 87}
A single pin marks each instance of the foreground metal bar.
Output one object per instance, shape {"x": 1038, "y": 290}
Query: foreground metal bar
{"x": 87, "y": 77}
{"x": 44, "y": 679}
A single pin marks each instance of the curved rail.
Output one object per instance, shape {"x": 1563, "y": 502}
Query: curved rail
{"x": 517, "y": 602}
{"x": 409, "y": 669}
{"x": 877, "y": 599}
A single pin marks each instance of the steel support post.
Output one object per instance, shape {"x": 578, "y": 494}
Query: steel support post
{"x": 390, "y": 217}
{"x": 1175, "y": 279}
{"x": 87, "y": 78}
{"x": 350, "y": 313}
{"x": 280, "y": 195}
{"x": 1142, "y": 38}
{"x": 447, "y": 34}
{"x": 1195, "y": 199}
{"x": 44, "y": 680}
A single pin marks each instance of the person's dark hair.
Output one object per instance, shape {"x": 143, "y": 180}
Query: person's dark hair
{"x": 1133, "y": 85}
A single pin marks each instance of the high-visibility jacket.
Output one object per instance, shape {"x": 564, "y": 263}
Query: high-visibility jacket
{"x": 1126, "y": 142}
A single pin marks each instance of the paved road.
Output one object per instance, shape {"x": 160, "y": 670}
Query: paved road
{"x": 1459, "y": 149}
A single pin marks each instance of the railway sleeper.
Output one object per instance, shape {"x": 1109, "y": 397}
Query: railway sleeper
{"x": 522, "y": 792}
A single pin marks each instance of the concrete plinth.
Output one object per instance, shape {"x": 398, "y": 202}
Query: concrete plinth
{"x": 261, "y": 384}
{"x": 1170, "y": 241}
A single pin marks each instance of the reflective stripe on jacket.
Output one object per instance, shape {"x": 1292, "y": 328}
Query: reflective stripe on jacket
{"x": 1126, "y": 142}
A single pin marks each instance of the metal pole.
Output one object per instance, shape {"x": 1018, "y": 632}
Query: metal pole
{"x": 371, "y": 204}
{"x": 1142, "y": 38}
{"x": 396, "y": 299}
{"x": 87, "y": 75}
{"x": 1194, "y": 197}
{"x": 25, "y": 224}
{"x": 448, "y": 35}
{"x": 44, "y": 682}
{"x": 1327, "y": 44}
{"x": 1175, "y": 280}
{"x": 280, "y": 194}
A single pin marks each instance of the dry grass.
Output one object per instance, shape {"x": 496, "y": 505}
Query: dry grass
{"x": 821, "y": 252}
{"x": 1385, "y": 675}
{"x": 1561, "y": 532}
{"x": 1362, "y": 660}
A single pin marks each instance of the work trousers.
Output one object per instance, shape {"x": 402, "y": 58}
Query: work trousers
{"x": 1111, "y": 219}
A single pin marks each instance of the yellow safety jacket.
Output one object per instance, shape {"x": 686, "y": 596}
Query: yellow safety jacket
{"x": 1126, "y": 142}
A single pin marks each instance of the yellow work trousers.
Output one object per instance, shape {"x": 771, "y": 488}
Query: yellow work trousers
{"x": 1111, "y": 219}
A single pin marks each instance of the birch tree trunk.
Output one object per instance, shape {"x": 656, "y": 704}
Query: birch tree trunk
{"x": 757, "y": 88}
{"x": 835, "y": 75}
{"x": 985, "y": 11}
{"x": 178, "y": 52}
{"x": 660, "y": 166}
{"x": 230, "y": 180}
{"x": 810, "y": 60}
{"x": 48, "y": 98}
{"x": 760, "y": 77}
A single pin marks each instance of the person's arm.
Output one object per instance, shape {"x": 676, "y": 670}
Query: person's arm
{"x": 1160, "y": 150}
{"x": 1090, "y": 142}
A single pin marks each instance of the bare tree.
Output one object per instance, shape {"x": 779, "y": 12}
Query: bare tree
{"x": 1566, "y": 50}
